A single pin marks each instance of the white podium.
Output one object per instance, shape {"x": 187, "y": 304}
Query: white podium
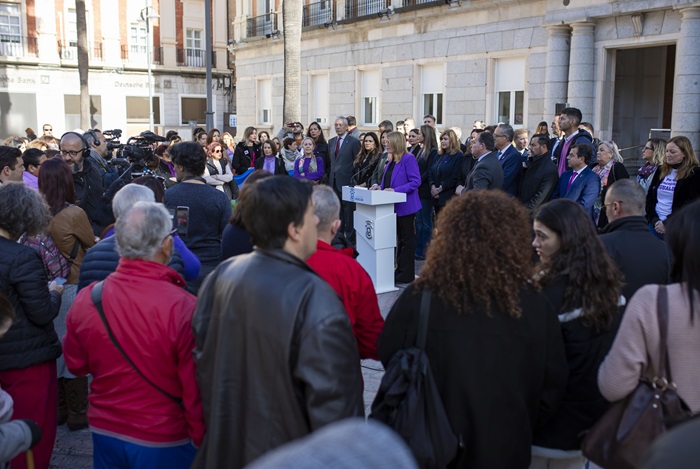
{"x": 375, "y": 227}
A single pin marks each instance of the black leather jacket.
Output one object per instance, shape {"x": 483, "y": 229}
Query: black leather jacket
{"x": 276, "y": 358}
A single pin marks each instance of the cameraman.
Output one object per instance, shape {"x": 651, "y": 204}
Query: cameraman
{"x": 101, "y": 155}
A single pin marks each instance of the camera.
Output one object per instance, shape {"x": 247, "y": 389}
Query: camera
{"x": 136, "y": 155}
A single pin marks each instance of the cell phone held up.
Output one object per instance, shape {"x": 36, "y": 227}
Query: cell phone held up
{"x": 181, "y": 220}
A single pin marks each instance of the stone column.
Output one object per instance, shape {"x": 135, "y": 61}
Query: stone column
{"x": 685, "y": 119}
{"x": 582, "y": 69}
{"x": 557, "y": 71}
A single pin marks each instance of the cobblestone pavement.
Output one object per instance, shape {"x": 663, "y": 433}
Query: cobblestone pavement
{"x": 73, "y": 450}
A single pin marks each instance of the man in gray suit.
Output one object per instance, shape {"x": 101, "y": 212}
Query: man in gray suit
{"x": 342, "y": 151}
{"x": 487, "y": 173}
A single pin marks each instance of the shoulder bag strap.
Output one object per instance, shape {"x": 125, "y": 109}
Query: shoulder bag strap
{"x": 423, "y": 319}
{"x": 662, "y": 314}
{"x": 74, "y": 252}
{"x": 96, "y": 296}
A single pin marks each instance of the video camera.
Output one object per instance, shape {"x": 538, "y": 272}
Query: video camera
{"x": 137, "y": 154}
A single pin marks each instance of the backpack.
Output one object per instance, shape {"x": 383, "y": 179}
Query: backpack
{"x": 408, "y": 401}
{"x": 55, "y": 264}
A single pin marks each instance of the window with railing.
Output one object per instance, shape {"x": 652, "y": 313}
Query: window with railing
{"x": 194, "y": 48}
{"x": 360, "y": 8}
{"x": 138, "y": 43}
{"x": 317, "y": 13}
{"x": 10, "y": 30}
{"x": 262, "y": 26}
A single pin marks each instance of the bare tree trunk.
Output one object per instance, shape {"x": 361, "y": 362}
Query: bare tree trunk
{"x": 83, "y": 64}
{"x": 291, "y": 17}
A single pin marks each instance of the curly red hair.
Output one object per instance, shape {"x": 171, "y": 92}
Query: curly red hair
{"x": 480, "y": 254}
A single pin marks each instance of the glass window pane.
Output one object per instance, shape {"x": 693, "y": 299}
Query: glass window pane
{"x": 427, "y": 104}
{"x": 369, "y": 111}
{"x": 438, "y": 112}
{"x": 519, "y": 107}
{"x": 193, "y": 109}
{"x": 504, "y": 107}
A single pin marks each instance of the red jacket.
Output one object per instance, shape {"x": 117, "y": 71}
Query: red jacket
{"x": 353, "y": 285}
{"x": 150, "y": 315}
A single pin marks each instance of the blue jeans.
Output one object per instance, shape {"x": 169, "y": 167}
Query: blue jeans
{"x": 424, "y": 226}
{"x": 113, "y": 453}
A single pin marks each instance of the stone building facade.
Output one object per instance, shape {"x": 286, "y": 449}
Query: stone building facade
{"x": 629, "y": 65}
{"x": 38, "y": 64}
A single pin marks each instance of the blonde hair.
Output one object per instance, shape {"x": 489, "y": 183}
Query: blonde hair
{"x": 397, "y": 142}
{"x": 454, "y": 142}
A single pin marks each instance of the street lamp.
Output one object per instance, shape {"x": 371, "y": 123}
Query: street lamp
{"x": 147, "y": 14}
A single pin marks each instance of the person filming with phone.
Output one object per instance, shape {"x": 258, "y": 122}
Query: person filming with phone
{"x": 204, "y": 210}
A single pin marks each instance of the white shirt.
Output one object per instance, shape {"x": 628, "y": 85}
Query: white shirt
{"x": 664, "y": 195}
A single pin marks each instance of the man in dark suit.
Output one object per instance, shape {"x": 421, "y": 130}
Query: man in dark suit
{"x": 540, "y": 175}
{"x": 641, "y": 257}
{"x": 487, "y": 173}
{"x": 510, "y": 158}
{"x": 579, "y": 184}
{"x": 342, "y": 150}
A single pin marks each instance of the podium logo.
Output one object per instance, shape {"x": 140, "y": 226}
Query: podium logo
{"x": 369, "y": 228}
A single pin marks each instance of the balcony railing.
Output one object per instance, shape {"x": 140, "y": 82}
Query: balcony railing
{"x": 412, "y": 3}
{"x": 360, "y": 8}
{"x": 189, "y": 57}
{"x": 18, "y": 46}
{"x": 137, "y": 55}
{"x": 71, "y": 52}
{"x": 262, "y": 26}
{"x": 317, "y": 13}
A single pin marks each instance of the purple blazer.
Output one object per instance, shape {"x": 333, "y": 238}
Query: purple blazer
{"x": 406, "y": 179}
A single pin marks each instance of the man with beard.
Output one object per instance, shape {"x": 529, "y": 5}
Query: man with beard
{"x": 89, "y": 187}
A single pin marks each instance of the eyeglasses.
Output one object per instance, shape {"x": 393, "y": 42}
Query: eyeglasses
{"x": 648, "y": 148}
{"x": 218, "y": 150}
{"x": 71, "y": 153}
{"x": 172, "y": 232}
{"x": 498, "y": 135}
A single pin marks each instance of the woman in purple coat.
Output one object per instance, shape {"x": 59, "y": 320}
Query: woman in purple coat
{"x": 402, "y": 175}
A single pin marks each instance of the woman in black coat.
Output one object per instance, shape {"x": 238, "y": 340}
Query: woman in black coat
{"x": 675, "y": 184}
{"x": 609, "y": 169}
{"x": 269, "y": 160}
{"x": 493, "y": 342}
{"x": 246, "y": 152}
{"x": 29, "y": 349}
{"x": 584, "y": 286}
{"x": 320, "y": 148}
{"x": 424, "y": 147}
{"x": 445, "y": 174}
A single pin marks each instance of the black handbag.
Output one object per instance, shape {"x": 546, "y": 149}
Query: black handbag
{"x": 624, "y": 433}
{"x": 408, "y": 401}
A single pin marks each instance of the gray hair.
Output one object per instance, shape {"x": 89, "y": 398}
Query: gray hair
{"x": 507, "y": 131}
{"x": 141, "y": 230}
{"x": 128, "y": 196}
{"x": 617, "y": 157}
{"x": 22, "y": 210}
{"x": 90, "y": 137}
{"x": 342, "y": 118}
{"x": 326, "y": 206}
{"x": 631, "y": 194}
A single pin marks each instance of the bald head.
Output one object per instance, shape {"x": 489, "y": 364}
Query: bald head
{"x": 625, "y": 198}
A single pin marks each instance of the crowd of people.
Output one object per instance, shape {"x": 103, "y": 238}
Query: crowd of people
{"x": 211, "y": 289}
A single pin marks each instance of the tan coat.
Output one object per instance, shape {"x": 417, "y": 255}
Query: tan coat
{"x": 69, "y": 225}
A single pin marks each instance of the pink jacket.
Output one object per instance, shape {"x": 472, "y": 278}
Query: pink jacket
{"x": 150, "y": 315}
